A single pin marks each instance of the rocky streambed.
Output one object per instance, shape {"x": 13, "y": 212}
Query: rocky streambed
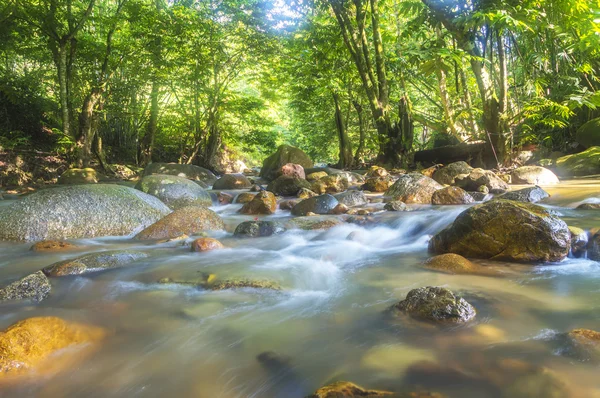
{"x": 323, "y": 284}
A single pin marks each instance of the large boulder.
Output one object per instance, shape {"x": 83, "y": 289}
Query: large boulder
{"x": 447, "y": 175}
{"x": 189, "y": 220}
{"x": 535, "y": 175}
{"x": 451, "y": 196}
{"x": 505, "y": 230}
{"x": 26, "y": 344}
{"x": 232, "y": 181}
{"x": 436, "y": 304}
{"x": 94, "y": 262}
{"x": 413, "y": 188}
{"x": 478, "y": 177}
{"x": 256, "y": 229}
{"x": 263, "y": 203}
{"x": 322, "y": 204}
{"x": 331, "y": 184}
{"x": 175, "y": 192}
{"x": 79, "y": 211}
{"x": 189, "y": 171}
{"x": 588, "y": 135}
{"x": 352, "y": 198}
{"x": 529, "y": 194}
{"x": 580, "y": 164}
{"x": 287, "y": 186}
{"x": 79, "y": 176}
{"x": 284, "y": 154}
{"x": 34, "y": 287}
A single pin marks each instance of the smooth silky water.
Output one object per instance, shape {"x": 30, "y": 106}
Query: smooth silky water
{"x": 329, "y": 321}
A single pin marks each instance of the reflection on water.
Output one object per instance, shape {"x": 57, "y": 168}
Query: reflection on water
{"x": 328, "y": 323}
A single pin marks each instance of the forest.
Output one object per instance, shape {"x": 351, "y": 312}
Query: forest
{"x": 351, "y": 82}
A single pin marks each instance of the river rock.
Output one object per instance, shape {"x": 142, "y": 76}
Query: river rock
{"x": 588, "y": 135}
{"x": 586, "y": 339}
{"x": 79, "y": 211}
{"x": 396, "y": 205}
{"x": 413, "y": 188}
{"x": 34, "y": 287}
{"x": 376, "y": 171}
{"x": 451, "y": 263}
{"x": 206, "y": 244}
{"x": 429, "y": 171}
{"x": 175, "y": 192}
{"x": 292, "y": 170}
{"x": 580, "y": 164}
{"x": 94, "y": 262}
{"x": 223, "y": 198}
{"x": 593, "y": 247}
{"x": 311, "y": 223}
{"x": 331, "y": 184}
{"x": 306, "y": 193}
{"x": 322, "y": 204}
{"x": 78, "y": 176}
{"x": 352, "y": 198}
{"x": 284, "y": 154}
{"x": 232, "y": 181}
{"x": 589, "y": 206}
{"x": 479, "y": 177}
{"x": 447, "y": 175}
{"x": 256, "y": 229}
{"x": 436, "y": 304}
{"x": 244, "y": 284}
{"x": 314, "y": 176}
{"x": 377, "y": 184}
{"x": 505, "y": 230}
{"x": 189, "y": 220}
{"x": 27, "y": 343}
{"x": 288, "y": 204}
{"x": 189, "y": 171}
{"x": 244, "y": 197}
{"x": 52, "y": 246}
{"x": 287, "y": 186}
{"x": 535, "y": 175}
{"x": 340, "y": 209}
{"x": 481, "y": 196}
{"x": 579, "y": 241}
{"x": 451, "y": 196}
{"x": 529, "y": 194}
{"x": 345, "y": 389}
{"x": 263, "y": 203}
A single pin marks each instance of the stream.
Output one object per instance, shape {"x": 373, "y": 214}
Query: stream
{"x": 328, "y": 322}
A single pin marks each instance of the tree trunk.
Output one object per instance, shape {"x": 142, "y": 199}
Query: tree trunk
{"x": 345, "y": 146}
{"x": 213, "y": 142}
{"x": 63, "y": 89}
{"x": 361, "y": 141}
{"x": 148, "y": 141}
{"x": 86, "y": 127}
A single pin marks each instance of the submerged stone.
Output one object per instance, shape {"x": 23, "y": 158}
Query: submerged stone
{"x": 345, "y": 389}
{"x": 436, "y": 304}
{"x": 52, "y": 246}
{"x": 452, "y": 264}
{"x": 94, "y": 262}
{"x": 35, "y": 287}
{"x": 79, "y": 211}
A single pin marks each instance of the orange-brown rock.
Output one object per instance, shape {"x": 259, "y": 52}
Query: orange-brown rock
{"x": 345, "y": 389}
{"x": 52, "y": 246}
{"x": 27, "y": 344}
{"x": 263, "y": 203}
{"x": 188, "y": 220}
{"x": 206, "y": 244}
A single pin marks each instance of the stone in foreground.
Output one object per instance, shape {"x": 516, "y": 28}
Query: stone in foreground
{"x": 94, "y": 262}
{"x": 505, "y": 230}
{"x": 189, "y": 220}
{"x": 28, "y": 343}
{"x": 345, "y": 389}
{"x": 436, "y": 304}
{"x": 34, "y": 287}
{"x": 79, "y": 211}
{"x": 175, "y": 192}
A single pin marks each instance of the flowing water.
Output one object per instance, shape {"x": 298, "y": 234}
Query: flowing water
{"x": 329, "y": 321}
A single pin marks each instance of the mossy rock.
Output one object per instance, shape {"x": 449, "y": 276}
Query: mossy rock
{"x": 588, "y": 135}
{"x": 505, "y": 230}
{"x": 345, "y": 389}
{"x": 263, "y": 203}
{"x": 284, "y": 154}
{"x": 27, "y": 344}
{"x": 189, "y": 171}
{"x": 188, "y": 220}
{"x": 580, "y": 164}
{"x": 310, "y": 223}
{"x": 436, "y": 304}
{"x": 79, "y": 176}
{"x": 175, "y": 192}
{"x": 94, "y": 262}
{"x": 79, "y": 211}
